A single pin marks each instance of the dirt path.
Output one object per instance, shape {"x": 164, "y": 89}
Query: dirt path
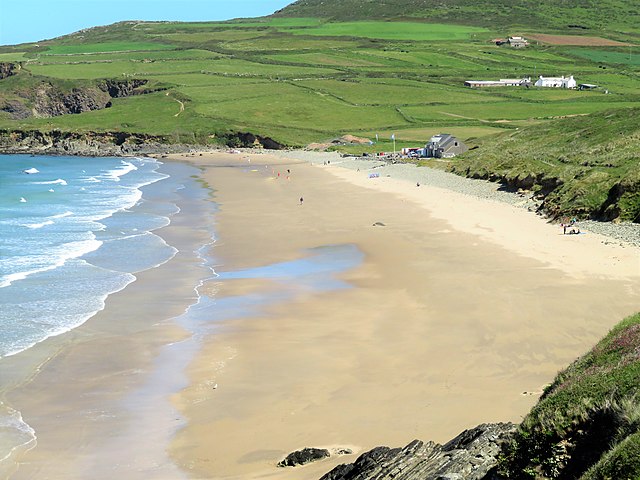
{"x": 181, "y": 104}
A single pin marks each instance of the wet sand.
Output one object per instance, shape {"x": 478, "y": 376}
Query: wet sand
{"x": 446, "y": 324}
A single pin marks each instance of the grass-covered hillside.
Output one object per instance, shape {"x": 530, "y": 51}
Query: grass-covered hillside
{"x": 587, "y": 423}
{"x": 569, "y": 15}
{"x": 291, "y": 81}
{"x": 585, "y": 166}
{"x": 302, "y": 80}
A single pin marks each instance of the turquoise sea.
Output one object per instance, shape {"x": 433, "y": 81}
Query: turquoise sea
{"x": 67, "y": 233}
{"x": 73, "y": 231}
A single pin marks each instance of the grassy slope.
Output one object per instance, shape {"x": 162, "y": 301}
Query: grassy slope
{"x": 587, "y": 423}
{"x": 603, "y": 15}
{"x": 593, "y": 163}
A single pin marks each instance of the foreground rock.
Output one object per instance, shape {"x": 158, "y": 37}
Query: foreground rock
{"x": 470, "y": 456}
{"x": 304, "y": 456}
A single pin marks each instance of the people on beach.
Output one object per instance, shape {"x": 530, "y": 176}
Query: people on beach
{"x": 301, "y": 200}
{"x": 570, "y": 228}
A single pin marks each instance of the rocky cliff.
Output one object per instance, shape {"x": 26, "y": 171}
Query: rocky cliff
{"x": 8, "y": 69}
{"x": 472, "y": 455}
{"x": 56, "y": 142}
{"x": 46, "y": 98}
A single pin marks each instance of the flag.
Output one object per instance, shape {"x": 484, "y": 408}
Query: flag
{"x": 376, "y": 137}
{"x": 393, "y": 136}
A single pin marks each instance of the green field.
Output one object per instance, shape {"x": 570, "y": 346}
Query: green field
{"x": 105, "y": 47}
{"x": 303, "y": 80}
{"x": 428, "y": 32}
{"x": 619, "y": 56}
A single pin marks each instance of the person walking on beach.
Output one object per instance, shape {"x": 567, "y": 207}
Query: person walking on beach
{"x": 301, "y": 200}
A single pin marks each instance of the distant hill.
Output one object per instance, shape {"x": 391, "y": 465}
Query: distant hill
{"x": 580, "y": 16}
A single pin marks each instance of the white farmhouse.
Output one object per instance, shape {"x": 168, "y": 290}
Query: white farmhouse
{"x": 557, "y": 82}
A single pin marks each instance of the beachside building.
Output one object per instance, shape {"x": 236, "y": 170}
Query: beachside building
{"x": 503, "y": 82}
{"x": 444, "y": 145}
{"x": 517, "y": 42}
{"x": 556, "y": 82}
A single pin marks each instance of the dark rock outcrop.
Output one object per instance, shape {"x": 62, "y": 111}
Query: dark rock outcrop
{"x": 123, "y": 88}
{"x": 16, "y": 109}
{"x": 304, "y": 456}
{"x": 8, "y": 69}
{"x": 94, "y": 144}
{"x": 472, "y": 455}
{"x": 49, "y": 100}
{"x": 249, "y": 140}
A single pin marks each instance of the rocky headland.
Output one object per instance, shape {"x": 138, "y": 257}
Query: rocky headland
{"x": 472, "y": 455}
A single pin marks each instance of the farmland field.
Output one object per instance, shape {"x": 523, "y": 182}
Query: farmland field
{"x": 575, "y": 40}
{"x": 106, "y": 47}
{"x": 303, "y": 80}
{"x": 622, "y": 56}
{"x": 394, "y": 31}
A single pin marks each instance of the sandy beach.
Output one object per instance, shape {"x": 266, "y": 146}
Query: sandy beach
{"x": 347, "y": 312}
{"x": 461, "y": 310}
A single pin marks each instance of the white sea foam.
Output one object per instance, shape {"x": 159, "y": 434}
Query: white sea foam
{"x": 62, "y": 215}
{"x": 59, "y": 181}
{"x": 79, "y": 320}
{"x": 116, "y": 173}
{"x": 58, "y": 257}
{"x": 15, "y": 430}
{"x": 31, "y": 170}
{"x": 38, "y": 225}
{"x": 48, "y": 221}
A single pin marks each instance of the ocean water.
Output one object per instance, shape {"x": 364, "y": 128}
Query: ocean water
{"x": 68, "y": 233}
{"x": 73, "y": 231}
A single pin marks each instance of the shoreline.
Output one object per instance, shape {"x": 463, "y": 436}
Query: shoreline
{"x": 84, "y": 392}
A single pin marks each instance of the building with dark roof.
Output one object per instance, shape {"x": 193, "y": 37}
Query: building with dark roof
{"x": 444, "y": 145}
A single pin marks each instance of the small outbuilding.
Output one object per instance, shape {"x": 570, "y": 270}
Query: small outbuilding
{"x": 517, "y": 42}
{"x": 444, "y": 145}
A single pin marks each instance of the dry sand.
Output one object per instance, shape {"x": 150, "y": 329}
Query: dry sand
{"x": 461, "y": 311}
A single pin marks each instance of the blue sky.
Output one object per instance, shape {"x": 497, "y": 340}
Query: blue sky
{"x": 32, "y": 20}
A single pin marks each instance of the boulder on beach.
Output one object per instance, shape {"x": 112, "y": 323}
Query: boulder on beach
{"x": 304, "y": 456}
